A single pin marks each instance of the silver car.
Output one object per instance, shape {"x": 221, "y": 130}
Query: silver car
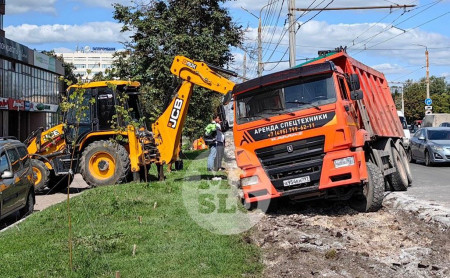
{"x": 431, "y": 145}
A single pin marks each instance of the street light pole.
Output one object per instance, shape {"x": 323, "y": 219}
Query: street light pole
{"x": 260, "y": 63}
{"x": 428, "y": 74}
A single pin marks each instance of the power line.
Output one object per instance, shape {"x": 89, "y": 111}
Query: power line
{"x": 391, "y": 25}
{"x": 406, "y": 31}
{"x": 299, "y": 28}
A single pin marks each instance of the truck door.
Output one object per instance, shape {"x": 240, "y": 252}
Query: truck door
{"x": 105, "y": 107}
{"x": 348, "y": 105}
{"x": 81, "y": 118}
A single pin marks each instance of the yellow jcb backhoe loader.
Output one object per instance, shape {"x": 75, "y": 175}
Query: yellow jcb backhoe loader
{"x": 60, "y": 152}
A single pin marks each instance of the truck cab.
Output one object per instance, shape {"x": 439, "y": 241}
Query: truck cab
{"x": 294, "y": 132}
{"x": 325, "y": 129}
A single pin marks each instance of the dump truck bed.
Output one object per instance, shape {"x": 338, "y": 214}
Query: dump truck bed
{"x": 377, "y": 96}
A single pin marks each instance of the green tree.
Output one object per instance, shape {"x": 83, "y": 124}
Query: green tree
{"x": 415, "y": 94}
{"x": 198, "y": 29}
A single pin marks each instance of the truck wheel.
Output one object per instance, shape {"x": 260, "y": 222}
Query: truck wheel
{"x": 410, "y": 156}
{"x": 398, "y": 179}
{"x": 41, "y": 175}
{"x": 404, "y": 158}
{"x": 371, "y": 197}
{"x": 103, "y": 163}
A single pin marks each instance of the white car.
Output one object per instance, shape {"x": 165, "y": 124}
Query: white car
{"x": 406, "y": 131}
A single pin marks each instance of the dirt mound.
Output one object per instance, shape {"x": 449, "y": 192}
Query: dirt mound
{"x": 332, "y": 240}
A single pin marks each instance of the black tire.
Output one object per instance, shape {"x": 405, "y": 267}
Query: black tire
{"x": 371, "y": 197}
{"x": 108, "y": 161}
{"x": 41, "y": 175}
{"x": 59, "y": 183}
{"x": 428, "y": 159}
{"x": 29, "y": 206}
{"x": 179, "y": 165}
{"x": 410, "y": 156}
{"x": 405, "y": 160}
{"x": 399, "y": 179}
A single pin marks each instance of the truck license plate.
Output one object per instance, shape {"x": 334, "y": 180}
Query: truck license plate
{"x": 296, "y": 181}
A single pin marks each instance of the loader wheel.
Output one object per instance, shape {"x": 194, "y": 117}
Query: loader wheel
{"x": 371, "y": 197}
{"x": 41, "y": 175}
{"x": 104, "y": 163}
{"x": 399, "y": 179}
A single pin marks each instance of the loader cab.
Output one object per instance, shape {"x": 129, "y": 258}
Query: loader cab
{"x": 99, "y": 107}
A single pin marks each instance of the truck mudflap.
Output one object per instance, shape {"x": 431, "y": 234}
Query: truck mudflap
{"x": 307, "y": 174}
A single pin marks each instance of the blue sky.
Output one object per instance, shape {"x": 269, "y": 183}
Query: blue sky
{"x": 385, "y": 39}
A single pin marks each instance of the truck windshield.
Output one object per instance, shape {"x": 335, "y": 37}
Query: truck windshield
{"x": 285, "y": 97}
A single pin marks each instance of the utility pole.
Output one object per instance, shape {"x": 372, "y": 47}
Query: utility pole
{"x": 403, "y": 102}
{"x": 244, "y": 70}
{"x": 428, "y": 73}
{"x": 427, "y": 81}
{"x": 259, "y": 46}
{"x": 259, "y": 50}
{"x": 292, "y": 43}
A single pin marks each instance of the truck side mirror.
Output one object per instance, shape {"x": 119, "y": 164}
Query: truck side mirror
{"x": 354, "y": 82}
{"x": 227, "y": 98}
{"x": 356, "y": 95}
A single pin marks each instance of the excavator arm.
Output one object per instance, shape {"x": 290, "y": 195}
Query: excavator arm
{"x": 168, "y": 128}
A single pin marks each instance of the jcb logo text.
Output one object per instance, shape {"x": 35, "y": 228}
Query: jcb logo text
{"x": 175, "y": 114}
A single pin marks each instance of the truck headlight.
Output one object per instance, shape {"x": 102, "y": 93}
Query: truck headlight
{"x": 343, "y": 162}
{"x": 249, "y": 181}
{"x": 437, "y": 148}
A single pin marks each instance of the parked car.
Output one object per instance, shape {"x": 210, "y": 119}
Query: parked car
{"x": 431, "y": 145}
{"x": 406, "y": 131}
{"x": 445, "y": 124}
{"x": 16, "y": 179}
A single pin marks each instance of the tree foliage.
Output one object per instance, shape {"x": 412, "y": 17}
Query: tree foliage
{"x": 198, "y": 29}
{"x": 415, "y": 94}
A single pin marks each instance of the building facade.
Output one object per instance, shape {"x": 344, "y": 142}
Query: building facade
{"x": 29, "y": 87}
{"x": 90, "y": 61}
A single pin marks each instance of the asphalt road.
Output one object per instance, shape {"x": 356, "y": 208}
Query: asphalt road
{"x": 431, "y": 183}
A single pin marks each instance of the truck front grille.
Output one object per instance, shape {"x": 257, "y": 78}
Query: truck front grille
{"x": 293, "y": 160}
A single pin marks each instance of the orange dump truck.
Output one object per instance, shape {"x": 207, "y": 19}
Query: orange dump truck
{"x": 325, "y": 129}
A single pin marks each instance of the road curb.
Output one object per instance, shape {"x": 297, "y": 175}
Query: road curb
{"x": 426, "y": 211}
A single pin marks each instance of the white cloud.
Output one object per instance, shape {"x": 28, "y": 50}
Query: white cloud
{"x": 57, "y": 33}
{"x": 63, "y": 50}
{"x": 23, "y": 6}
{"x": 388, "y": 68}
{"x": 104, "y": 3}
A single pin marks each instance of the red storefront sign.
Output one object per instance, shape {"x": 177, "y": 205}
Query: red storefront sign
{"x": 3, "y": 103}
{"x": 16, "y": 104}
